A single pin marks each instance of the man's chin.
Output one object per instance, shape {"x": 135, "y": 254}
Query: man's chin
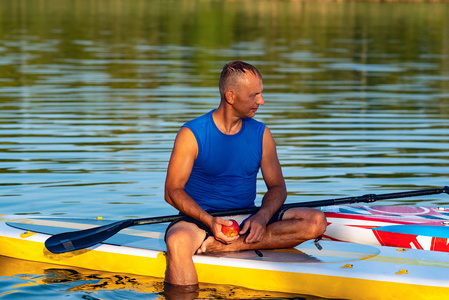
{"x": 252, "y": 113}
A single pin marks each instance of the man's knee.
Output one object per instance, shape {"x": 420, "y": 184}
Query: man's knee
{"x": 318, "y": 220}
{"x": 314, "y": 220}
{"x": 182, "y": 240}
{"x": 177, "y": 241}
{"x": 174, "y": 239}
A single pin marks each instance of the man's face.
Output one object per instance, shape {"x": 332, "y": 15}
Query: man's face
{"x": 248, "y": 95}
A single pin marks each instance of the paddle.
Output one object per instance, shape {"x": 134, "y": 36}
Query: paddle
{"x": 76, "y": 240}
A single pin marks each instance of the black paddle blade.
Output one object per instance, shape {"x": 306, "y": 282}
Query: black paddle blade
{"x": 76, "y": 240}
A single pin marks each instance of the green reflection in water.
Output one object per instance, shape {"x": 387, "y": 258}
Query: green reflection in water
{"x": 132, "y": 44}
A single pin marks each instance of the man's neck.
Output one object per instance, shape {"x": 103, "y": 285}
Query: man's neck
{"x": 226, "y": 122}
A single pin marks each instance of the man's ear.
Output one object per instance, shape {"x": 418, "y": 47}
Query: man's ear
{"x": 230, "y": 96}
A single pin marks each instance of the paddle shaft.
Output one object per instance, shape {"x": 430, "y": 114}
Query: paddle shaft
{"x": 346, "y": 200}
{"x": 76, "y": 240}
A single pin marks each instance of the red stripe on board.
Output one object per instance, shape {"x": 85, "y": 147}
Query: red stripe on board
{"x": 440, "y": 244}
{"x": 394, "y": 239}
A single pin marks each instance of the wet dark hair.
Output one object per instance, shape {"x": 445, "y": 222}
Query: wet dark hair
{"x": 233, "y": 70}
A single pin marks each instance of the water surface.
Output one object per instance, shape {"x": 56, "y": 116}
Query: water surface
{"x": 93, "y": 93}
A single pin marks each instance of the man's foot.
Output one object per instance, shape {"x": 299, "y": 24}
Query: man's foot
{"x": 211, "y": 244}
{"x": 206, "y": 245}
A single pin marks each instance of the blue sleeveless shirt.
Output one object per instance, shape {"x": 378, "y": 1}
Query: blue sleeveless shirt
{"x": 224, "y": 174}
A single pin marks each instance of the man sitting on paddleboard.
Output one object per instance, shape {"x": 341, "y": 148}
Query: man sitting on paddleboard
{"x": 214, "y": 166}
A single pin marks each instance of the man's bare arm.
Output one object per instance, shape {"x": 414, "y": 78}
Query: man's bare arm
{"x": 275, "y": 195}
{"x": 183, "y": 156}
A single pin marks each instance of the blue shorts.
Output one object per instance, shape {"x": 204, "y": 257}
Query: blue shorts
{"x": 275, "y": 218}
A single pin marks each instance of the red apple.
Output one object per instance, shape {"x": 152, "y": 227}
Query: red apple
{"x": 232, "y": 230}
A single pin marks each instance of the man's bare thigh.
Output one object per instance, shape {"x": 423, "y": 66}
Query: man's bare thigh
{"x": 299, "y": 213}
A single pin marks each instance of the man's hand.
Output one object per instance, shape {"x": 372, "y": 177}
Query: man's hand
{"x": 257, "y": 229}
{"x": 217, "y": 223}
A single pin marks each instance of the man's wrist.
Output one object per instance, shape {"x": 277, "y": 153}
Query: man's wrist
{"x": 265, "y": 214}
{"x": 206, "y": 219}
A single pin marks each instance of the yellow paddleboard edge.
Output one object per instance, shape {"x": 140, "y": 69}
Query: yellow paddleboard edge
{"x": 260, "y": 279}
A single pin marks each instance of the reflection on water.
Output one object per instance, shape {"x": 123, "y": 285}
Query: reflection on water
{"x": 22, "y": 279}
{"x": 92, "y": 95}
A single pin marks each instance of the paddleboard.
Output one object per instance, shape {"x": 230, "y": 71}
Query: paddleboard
{"x": 329, "y": 270}
{"x": 425, "y": 228}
